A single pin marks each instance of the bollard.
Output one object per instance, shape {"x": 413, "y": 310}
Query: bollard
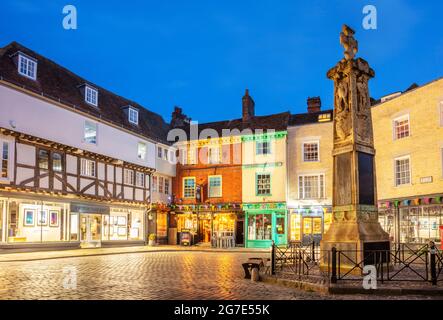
{"x": 334, "y": 265}
{"x": 432, "y": 252}
{"x": 273, "y": 258}
{"x": 313, "y": 251}
{"x": 255, "y": 276}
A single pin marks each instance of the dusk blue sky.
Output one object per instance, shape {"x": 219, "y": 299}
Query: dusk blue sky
{"x": 202, "y": 54}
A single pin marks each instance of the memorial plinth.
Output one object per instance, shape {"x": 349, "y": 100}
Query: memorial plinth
{"x": 355, "y": 227}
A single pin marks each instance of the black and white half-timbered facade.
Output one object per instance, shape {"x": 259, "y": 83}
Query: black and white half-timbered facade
{"x": 76, "y": 160}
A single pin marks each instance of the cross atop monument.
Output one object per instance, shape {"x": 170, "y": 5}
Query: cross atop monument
{"x": 348, "y": 41}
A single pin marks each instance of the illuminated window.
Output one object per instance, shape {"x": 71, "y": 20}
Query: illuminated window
{"x": 311, "y": 151}
{"x": 133, "y": 116}
{"x": 91, "y": 96}
{"x": 141, "y": 151}
{"x": 154, "y": 184}
{"x": 87, "y": 168}
{"x": 263, "y": 184}
{"x": 192, "y": 155}
{"x": 128, "y": 177}
{"x": 27, "y": 67}
{"x": 57, "y": 162}
{"x": 90, "y": 133}
{"x": 401, "y": 127}
{"x": 160, "y": 184}
{"x": 214, "y": 155}
{"x": 263, "y": 147}
{"x": 4, "y": 164}
{"x": 215, "y": 186}
{"x": 166, "y": 186}
{"x": 402, "y": 171}
{"x": 189, "y": 187}
{"x": 311, "y": 186}
{"x": 43, "y": 159}
{"x": 140, "y": 179}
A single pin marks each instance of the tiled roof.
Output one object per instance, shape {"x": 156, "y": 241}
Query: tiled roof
{"x": 62, "y": 85}
{"x": 277, "y": 122}
{"x": 308, "y": 118}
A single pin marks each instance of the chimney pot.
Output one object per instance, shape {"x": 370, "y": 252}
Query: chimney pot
{"x": 248, "y": 107}
{"x": 314, "y": 104}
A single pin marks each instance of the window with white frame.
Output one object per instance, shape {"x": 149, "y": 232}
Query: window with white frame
{"x": 154, "y": 184}
{"x": 166, "y": 154}
{"x": 91, "y": 96}
{"x": 167, "y": 186}
{"x": 90, "y": 132}
{"x": 159, "y": 152}
{"x": 189, "y": 187}
{"x": 4, "y": 164}
{"x": 128, "y": 177}
{"x": 141, "y": 150}
{"x": 311, "y": 151}
{"x": 87, "y": 168}
{"x": 133, "y": 116}
{"x": 192, "y": 155}
{"x": 160, "y": 184}
{"x": 263, "y": 147}
{"x": 311, "y": 186}
{"x": 263, "y": 184}
{"x": 27, "y": 67}
{"x": 402, "y": 171}
{"x": 401, "y": 127}
{"x": 140, "y": 179}
{"x": 214, "y": 154}
{"x": 215, "y": 186}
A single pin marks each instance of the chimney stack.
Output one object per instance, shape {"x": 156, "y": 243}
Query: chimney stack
{"x": 248, "y": 107}
{"x": 314, "y": 104}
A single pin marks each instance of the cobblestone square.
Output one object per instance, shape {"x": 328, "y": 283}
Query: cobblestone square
{"x": 149, "y": 275}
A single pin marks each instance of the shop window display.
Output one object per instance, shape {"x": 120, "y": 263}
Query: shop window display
{"x": 260, "y": 227}
{"x": 33, "y": 221}
{"x": 123, "y": 224}
{"x": 420, "y": 224}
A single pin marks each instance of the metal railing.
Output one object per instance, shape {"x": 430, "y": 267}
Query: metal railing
{"x": 404, "y": 262}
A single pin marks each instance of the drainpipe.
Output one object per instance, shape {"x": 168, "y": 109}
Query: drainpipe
{"x": 287, "y": 189}
{"x": 146, "y": 221}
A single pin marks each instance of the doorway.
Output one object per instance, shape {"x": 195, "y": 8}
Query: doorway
{"x": 240, "y": 232}
{"x": 204, "y": 230}
{"x": 90, "y": 230}
{"x": 312, "y": 230}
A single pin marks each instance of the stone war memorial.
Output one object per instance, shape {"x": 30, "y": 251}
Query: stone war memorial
{"x": 355, "y": 228}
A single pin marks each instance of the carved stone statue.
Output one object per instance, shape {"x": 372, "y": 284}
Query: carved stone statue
{"x": 348, "y": 42}
{"x": 342, "y": 119}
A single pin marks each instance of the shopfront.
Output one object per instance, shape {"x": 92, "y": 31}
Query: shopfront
{"x": 29, "y": 222}
{"x": 208, "y": 227}
{"x": 412, "y": 221}
{"x": 308, "y": 224}
{"x": 265, "y": 223}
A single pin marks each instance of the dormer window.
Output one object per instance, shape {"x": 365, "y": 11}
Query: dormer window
{"x": 91, "y": 96}
{"x": 133, "y": 116}
{"x": 27, "y": 66}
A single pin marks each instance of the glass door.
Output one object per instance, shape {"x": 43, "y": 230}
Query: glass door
{"x": 90, "y": 230}
{"x": 312, "y": 230}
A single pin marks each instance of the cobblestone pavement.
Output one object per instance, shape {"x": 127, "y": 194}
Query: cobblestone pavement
{"x": 154, "y": 275}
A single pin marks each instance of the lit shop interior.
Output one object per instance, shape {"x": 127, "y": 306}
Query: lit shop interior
{"x": 207, "y": 227}
{"x": 309, "y": 224}
{"x": 412, "y": 223}
{"x": 32, "y": 221}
